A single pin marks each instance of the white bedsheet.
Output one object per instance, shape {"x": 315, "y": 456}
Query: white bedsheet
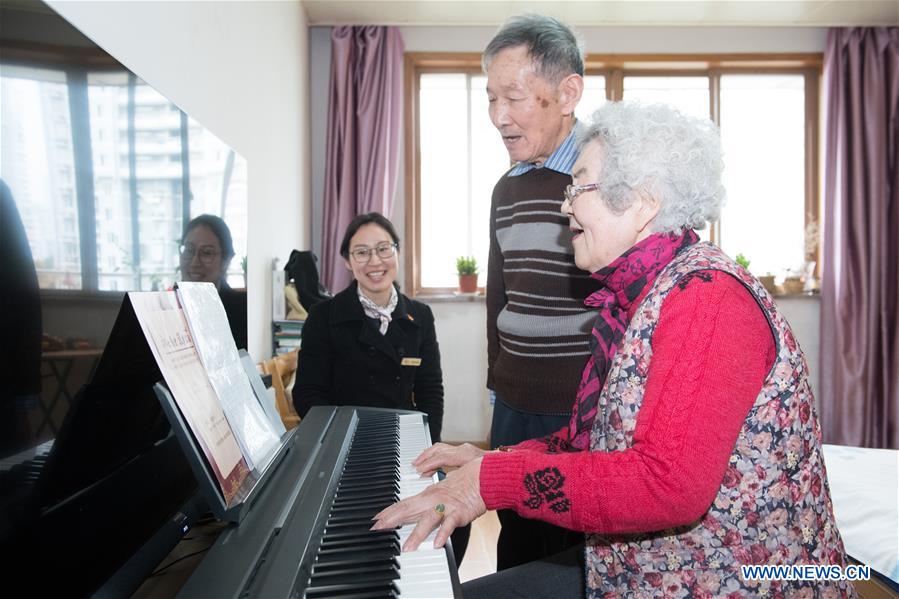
{"x": 864, "y": 485}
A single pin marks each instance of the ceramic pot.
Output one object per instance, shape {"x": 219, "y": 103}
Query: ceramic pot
{"x": 768, "y": 282}
{"x": 792, "y": 285}
{"x": 468, "y": 283}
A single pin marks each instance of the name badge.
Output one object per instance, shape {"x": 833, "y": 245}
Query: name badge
{"x": 411, "y": 362}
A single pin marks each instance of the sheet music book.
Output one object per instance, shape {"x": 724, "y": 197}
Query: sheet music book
{"x": 167, "y": 332}
{"x": 265, "y": 397}
{"x": 212, "y": 338}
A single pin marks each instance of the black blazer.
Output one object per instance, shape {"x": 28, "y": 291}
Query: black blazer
{"x": 235, "y": 303}
{"x": 345, "y": 360}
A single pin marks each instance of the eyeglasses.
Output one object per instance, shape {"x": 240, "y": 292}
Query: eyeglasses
{"x": 362, "y": 255}
{"x": 573, "y": 191}
{"x": 206, "y": 253}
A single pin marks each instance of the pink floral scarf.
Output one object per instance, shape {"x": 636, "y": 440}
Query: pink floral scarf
{"x": 622, "y": 282}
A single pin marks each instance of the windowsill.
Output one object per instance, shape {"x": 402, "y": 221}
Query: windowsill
{"x": 797, "y": 296}
{"x": 96, "y": 295}
{"x": 449, "y": 298}
{"x": 452, "y": 298}
{"x": 82, "y": 295}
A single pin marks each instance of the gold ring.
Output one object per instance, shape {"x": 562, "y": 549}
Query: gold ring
{"x": 440, "y": 508}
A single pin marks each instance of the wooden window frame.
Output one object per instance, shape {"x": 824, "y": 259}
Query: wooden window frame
{"x": 615, "y": 67}
{"x": 416, "y": 64}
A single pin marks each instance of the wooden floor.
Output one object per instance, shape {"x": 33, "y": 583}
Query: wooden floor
{"x": 874, "y": 589}
{"x": 480, "y": 557}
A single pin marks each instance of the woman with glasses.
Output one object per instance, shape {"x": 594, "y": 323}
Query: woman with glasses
{"x": 370, "y": 345}
{"x": 693, "y": 447}
{"x": 206, "y": 253}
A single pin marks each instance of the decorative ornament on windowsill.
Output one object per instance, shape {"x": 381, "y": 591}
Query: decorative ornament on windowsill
{"x": 801, "y": 279}
{"x": 467, "y": 269}
{"x": 812, "y": 241}
{"x": 767, "y": 280}
{"x": 792, "y": 284}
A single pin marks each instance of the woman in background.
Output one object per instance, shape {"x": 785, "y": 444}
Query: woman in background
{"x": 370, "y": 345}
{"x": 206, "y": 253}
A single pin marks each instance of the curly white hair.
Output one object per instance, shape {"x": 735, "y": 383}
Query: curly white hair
{"x": 658, "y": 150}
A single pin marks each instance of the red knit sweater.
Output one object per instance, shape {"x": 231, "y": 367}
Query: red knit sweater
{"x": 712, "y": 350}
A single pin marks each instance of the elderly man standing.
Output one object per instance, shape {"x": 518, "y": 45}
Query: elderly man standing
{"x": 537, "y": 324}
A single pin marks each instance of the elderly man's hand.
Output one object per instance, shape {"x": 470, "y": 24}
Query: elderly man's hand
{"x": 441, "y": 455}
{"x": 460, "y": 496}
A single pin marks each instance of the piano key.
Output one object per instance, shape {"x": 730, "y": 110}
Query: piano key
{"x": 375, "y": 594}
{"x": 387, "y": 588}
{"x": 363, "y": 515}
{"x": 359, "y": 485}
{"x": 424, "y": 570}
{"x": 355, "y": 535}
{"x": 363, "y": 501}
{"x": 336, "y": 546}
{"x": 356, "y": 575}
{"x": 386, "y": 470}
{"x": 375, "y": 572}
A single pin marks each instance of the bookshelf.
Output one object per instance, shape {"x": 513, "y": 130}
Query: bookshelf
{"x": 286, "y": 335}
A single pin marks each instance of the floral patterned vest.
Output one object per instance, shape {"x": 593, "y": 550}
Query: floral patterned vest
{"x": 773, "y": 506}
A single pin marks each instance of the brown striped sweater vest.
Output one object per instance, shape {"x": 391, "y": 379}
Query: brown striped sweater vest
{"x": 538, "y": 328}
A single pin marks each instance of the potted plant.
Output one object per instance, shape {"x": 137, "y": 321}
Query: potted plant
{"x": 467, "y": 269}
{"x": 767, "y": 281}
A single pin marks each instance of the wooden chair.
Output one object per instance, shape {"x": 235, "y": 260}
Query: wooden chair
{"x": 283, "y": 368}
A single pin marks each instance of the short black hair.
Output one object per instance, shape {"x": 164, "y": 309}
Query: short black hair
{"x": 360, "y": 221}
{"x": 218, "y": 227}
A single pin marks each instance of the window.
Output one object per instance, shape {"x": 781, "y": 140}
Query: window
{"x": 104, "y": 192}
{"x": 690, "y": 94}
{"x": 41, "y": 169}
{"x": 593, "y": 97}
{"x": 765, "y": 105}
{"x": 764, "y": 174}
{"x": 460, "y": 156}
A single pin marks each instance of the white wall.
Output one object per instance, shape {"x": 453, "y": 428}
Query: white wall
{"x": 239, "y": 68}
{"x": 461, "y": 326}
{"x": 636, "y": 40}
{"x": 804, "y": 315}
{"x": 462, "y": 335}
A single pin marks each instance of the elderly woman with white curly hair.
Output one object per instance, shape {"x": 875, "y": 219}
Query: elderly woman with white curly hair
{"x": 693, "y": 448}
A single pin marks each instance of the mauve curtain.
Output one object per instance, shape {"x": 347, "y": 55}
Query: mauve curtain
{"x": 363, "y": 142}
{"x": 859, "y": 312}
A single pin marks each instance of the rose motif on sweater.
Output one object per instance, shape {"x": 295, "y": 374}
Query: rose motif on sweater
{"x": 556, "y": 444}
{"x": 686, "y": 279}
{"x": 545, "y": 486}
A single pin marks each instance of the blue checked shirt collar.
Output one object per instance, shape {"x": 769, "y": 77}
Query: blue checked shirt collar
{"x": 561, "y": 160}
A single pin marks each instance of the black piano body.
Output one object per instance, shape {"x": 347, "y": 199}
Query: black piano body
{"x": 295, "y": 541}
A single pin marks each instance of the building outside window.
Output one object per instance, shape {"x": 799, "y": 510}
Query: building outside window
{"x": 149, "y": 168}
